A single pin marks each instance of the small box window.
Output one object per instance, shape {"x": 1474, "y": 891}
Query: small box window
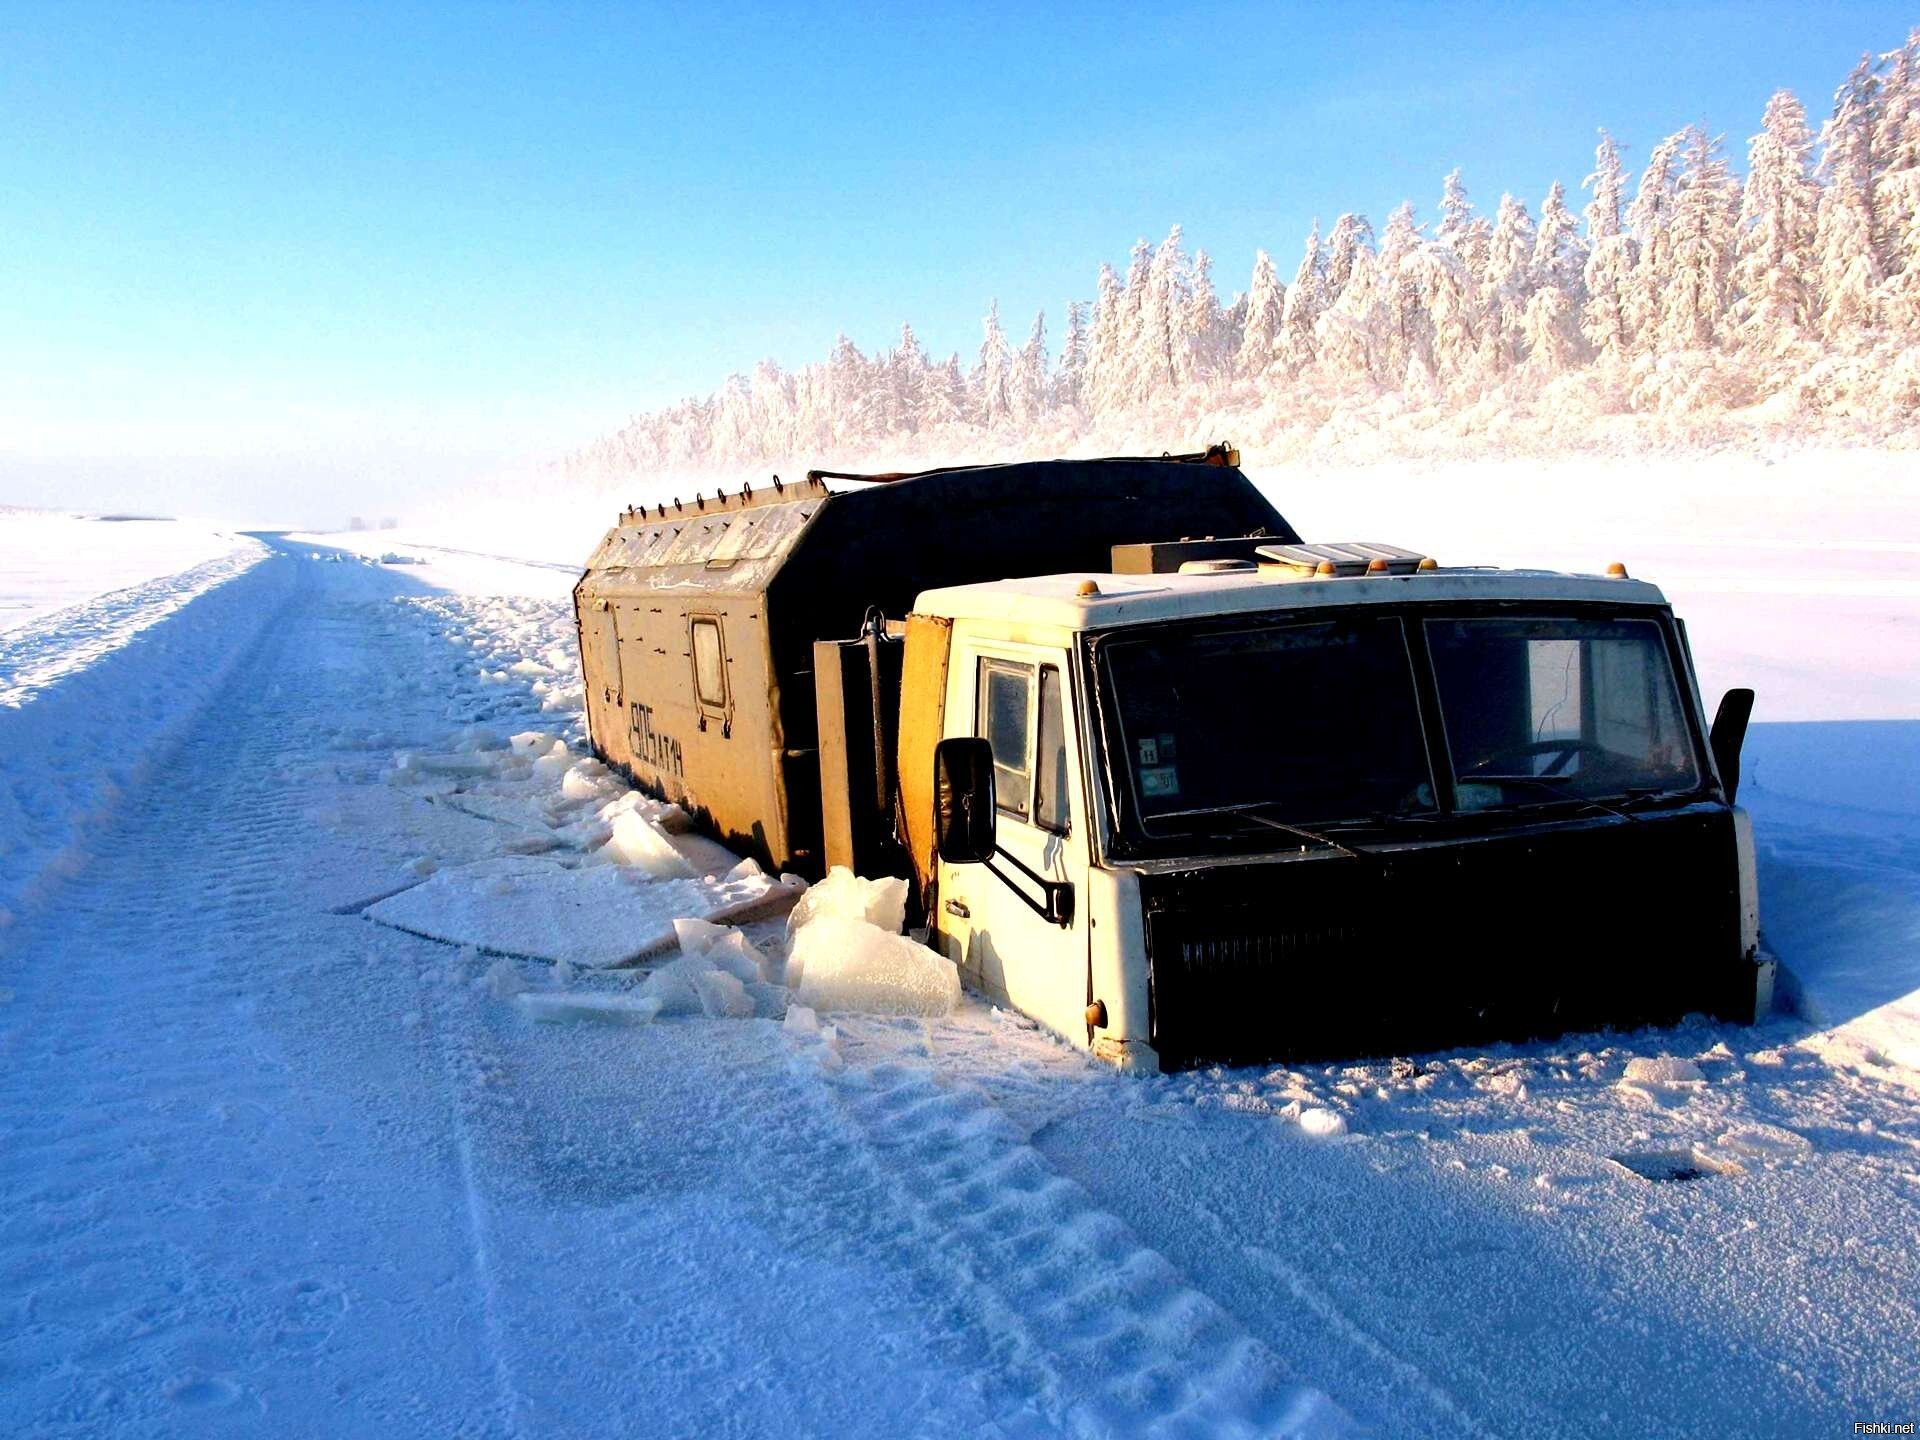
{"x": 709, "y": 664}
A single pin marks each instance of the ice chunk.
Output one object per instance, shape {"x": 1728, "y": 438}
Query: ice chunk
{"x": 672, "y": 990}
{"x": 636, "y": 842}
{"x": 1662, "y": 1070}
{"x": 1323, "y": 1124}
{"x": 850, "y": 964}
{"x": 476, "y": 738}
{"x": 556, "y": 1008}
{"x": 881, "y": 903}
{"x": 696, "y": 937}
{"x": 722, "y": 995}
{"x": 801, "y": 1020}
{"x": 586, "y": 780}
{"x": 737, "y": 955}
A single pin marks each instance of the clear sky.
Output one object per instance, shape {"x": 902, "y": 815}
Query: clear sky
{"x": 286, "y": 253}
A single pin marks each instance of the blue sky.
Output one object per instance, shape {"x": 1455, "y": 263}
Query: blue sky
{"x": 268, "y": 232}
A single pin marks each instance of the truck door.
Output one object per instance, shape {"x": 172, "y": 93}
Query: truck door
{"x": 1019, "y": 698}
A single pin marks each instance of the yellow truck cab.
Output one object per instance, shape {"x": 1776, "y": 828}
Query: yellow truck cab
{"x": 1299, "y": 807}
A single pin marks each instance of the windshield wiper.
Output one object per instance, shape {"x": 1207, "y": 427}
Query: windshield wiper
{"x": 1551, "y": 786}
{"x": 1250, "y": 809}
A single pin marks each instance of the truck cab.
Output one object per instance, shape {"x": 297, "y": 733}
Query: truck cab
{"x": 1320, "y": 802}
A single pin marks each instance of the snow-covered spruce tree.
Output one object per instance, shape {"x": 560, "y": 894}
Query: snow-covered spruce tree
{"x": 1773, "y": 272}
{"x": 1132, "y": 312}
{"x": 1199, "y": 342}
{"x": 773, "y": 409}
{"x": 906, "y": 380}
{"x": 1161, "y": 334}
{"x": 733, "y": 432}
{"x": 1260, "y": 330}
{"x": 1509, "y": 284}
{"x": 1305, "y": 302}
{"x": 1649, "y": 218}
{"x": 1608, "y": 274}
{"x": 1445, "y": 295}
{"x": 851, "y": 414}
{"x": 1351, "y": 335}
{"x": 948, "y": 400}
{"x": 1897, "y": 189}
{"x": 1072, "y": 374}
{"x": 1846, "y": 257}
{"x": 993, "y": 373}
{"x": 1466, "y": 234}
{"x": 1405, "y": 321}
{"x": 1350, "y": 238}
{"x": 1103, "y": 386}
{"x": 1028, "y": 383}
{"x": 1550, "y": 324}
{"x": 1456, "y": 211}
{"x": 1706, "y": 205}
{"x": 1559, "y": 254}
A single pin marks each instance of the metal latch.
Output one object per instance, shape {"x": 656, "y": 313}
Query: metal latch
{"x": 957, "y": 908}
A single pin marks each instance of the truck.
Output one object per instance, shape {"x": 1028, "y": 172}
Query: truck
{"x": 1176, "y": 784}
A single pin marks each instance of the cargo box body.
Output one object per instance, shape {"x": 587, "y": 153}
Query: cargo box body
{"x": 697, "y": 620}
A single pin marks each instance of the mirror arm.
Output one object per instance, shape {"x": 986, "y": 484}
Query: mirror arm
{"x": 1057, "y": 908}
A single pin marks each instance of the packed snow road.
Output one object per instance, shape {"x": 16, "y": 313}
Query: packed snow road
{"x": 272, "y": 1168}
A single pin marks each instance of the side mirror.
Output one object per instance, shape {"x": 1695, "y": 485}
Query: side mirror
{"x": 1729, "y": 733}
{"x": 963, "y": 812}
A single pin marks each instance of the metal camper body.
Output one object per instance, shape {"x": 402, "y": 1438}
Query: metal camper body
{"x": 1175, "y": 784}
{"x": 698, "y": 619}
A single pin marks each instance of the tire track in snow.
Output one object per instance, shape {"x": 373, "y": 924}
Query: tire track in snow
{"x": 1111, "y": 1337}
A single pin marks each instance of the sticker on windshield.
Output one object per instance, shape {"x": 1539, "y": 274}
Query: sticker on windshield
{"x": 1158, "y": 780}
{"x": 1156, "y": 750}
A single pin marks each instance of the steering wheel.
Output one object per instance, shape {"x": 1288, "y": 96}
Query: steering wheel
{"x": 1565, "y": 749}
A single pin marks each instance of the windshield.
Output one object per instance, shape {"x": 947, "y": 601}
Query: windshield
{"x": 1304, "y": 723}
{"x": 1539, "y": 709}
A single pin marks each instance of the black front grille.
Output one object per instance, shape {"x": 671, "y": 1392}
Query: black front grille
{"x": 1504, "y": 937}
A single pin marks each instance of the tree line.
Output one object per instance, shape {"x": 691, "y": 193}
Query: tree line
{"x": 1685, "y": 279}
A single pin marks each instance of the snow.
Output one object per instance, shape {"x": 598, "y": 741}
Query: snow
{"x": 312, "y": 1171}
{"x": 51, "y": 561}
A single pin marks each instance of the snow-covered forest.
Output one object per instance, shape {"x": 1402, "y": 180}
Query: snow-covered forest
{"x": 1687, "y": 300}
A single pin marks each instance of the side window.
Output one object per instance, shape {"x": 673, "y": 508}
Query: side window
{"x": 1051, "y": 810}
{"x": 709, "y": 665}
{"x": 1001, "y": 715}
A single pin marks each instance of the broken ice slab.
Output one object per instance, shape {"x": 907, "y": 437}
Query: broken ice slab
{"x": 592, "y": 916}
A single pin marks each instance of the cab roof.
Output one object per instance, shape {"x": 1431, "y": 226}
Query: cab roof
{"x": 1058, "y": 600}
